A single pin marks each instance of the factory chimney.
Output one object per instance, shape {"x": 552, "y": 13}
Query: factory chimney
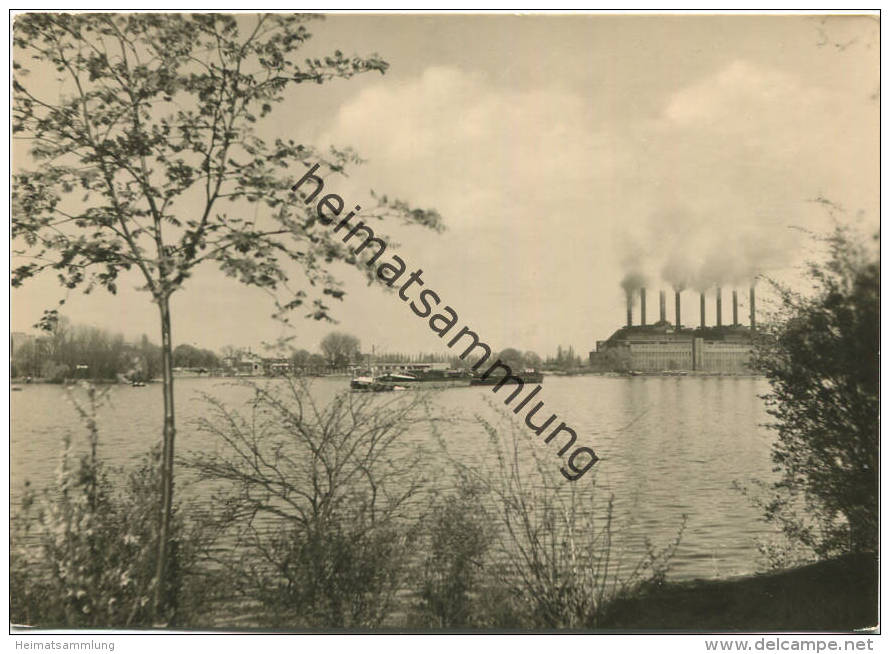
{"x": 661, "y": 309}
{"x": 719, "y": 307}
{"x": 630, "y": 309}
{"x": 735, "y": 307}
{"x": 642, "y": 306}
{"x": 677, "y": 308}
{"x": 702, "y": 310}
{"x": 753, "y": 315}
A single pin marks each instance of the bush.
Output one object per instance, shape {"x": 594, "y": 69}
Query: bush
{"x": 459, "y": 532}
{"x": 339, "y": 574}
{"x": 821, "y": 360}
{"x": 317, "y": 499}
{"x": 94, "y": 561}
{"x": 553, "y": 564}
{"x": 55, "y": 373}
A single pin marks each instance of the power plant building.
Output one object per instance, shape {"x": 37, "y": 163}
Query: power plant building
{"x": 664, "y": 346}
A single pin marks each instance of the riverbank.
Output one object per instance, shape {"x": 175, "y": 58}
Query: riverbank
{"x": 651, "y": 373}
{"x": 840, "y": 595}
{"x": 24, "y": 381}
{"x": 836, "y": 595}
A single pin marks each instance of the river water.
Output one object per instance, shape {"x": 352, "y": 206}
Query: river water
{"x": 669, "y": 446}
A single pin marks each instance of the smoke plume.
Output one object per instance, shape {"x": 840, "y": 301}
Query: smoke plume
{"x": 631, "y": 283}
{"x": 689, "y": 250}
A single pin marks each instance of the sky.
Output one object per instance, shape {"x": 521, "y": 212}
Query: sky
{"x": 563, "y": 153}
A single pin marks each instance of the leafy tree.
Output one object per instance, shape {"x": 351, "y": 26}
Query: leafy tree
{"x": 821, "y": 360}
{"x": 149, "y": 356}
{"x": 532, "y": 359}
{"x": 147, "y": 159}
{"x": 104, "y": 354}
{"x": 230, "y": 352}
{"x": 185, "y": 355}
{"x": 317, "y": 362}
{"x": 565, "y": 359}
{"x": 340, "y": 349}
{"x": 29, "y": 356}
{"x": 189, "y": 356}
{"x": 54, "y": 372}
{"x": 300, "y": 359}
{"x": 513, "y": 358}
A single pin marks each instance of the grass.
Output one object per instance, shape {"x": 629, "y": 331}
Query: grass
{"x": 835, "y": 595}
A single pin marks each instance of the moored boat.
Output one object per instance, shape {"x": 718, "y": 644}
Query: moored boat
{"x": 369, "y": 384}
{"x": 528, "y": 376}
{"x": 427, "y": 378}
{"x": 409, "y": 375}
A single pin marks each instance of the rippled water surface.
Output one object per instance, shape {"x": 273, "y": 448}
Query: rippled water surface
{"x": 669, "y": 446}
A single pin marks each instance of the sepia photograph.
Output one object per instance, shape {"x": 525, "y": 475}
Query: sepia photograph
{"x": 445, "y": 323}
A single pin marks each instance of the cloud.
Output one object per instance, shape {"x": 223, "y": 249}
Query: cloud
{"x": 729, "y": 167}
{"x": 478, "y": 152}
{"x": 738, "y": 90}
{"x": 519, "y": 176}
{"x": 550, "y": 202}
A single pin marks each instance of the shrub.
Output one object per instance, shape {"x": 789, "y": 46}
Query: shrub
{"x": 459, "y": 532}
{"x": 55, "y": 373}
{"x": 553, "y": 565}
{"x": 93, "y": 564}
{"x": 821, "y": 360}
{"x": 318, "y": 501}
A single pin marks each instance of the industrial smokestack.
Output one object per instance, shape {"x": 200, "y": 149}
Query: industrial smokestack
{"x": 719, "y": 307}
{"x": 630, "y": 309}
{"x": 735, "y": 307}
{"x": 677, "y": 308}
{"x": 661, "y": 309}
{"x": 642, "y": 306}
{"x": 753, "y": 314}
{"x": 702, "y": 310}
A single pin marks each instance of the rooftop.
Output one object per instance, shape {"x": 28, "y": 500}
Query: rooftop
{"x": 664, "y": 331}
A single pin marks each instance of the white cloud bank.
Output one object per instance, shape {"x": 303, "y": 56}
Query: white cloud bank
{"x": 548, "y": 202}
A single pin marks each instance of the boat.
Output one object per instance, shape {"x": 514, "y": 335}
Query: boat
{"x": 396, "y": 378}
{"x": 369, "y": 384}
{"x": 527, "y": 376}
{"x": 403, "y": 376}
{"x": 427, "y": 378}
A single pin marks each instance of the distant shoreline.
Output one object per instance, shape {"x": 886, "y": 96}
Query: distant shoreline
{"x": 21, "y": 381}
{"x": 640, "y": 373}
{"x": 117, "y": 382}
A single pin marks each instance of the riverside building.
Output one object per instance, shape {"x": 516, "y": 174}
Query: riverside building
{"x": 664, "y": 346}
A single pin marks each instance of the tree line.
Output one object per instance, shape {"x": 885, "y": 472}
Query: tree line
{"x": 65, "y": 351}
